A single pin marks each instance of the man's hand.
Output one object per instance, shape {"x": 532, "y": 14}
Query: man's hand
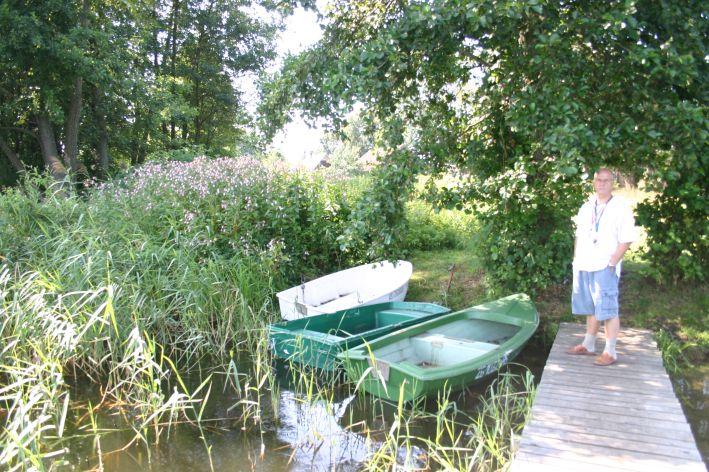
{"x": 618, "y": 254}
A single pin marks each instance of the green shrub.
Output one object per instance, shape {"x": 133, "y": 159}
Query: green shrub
{"x": 527, "y": 233}
{"x": 677, "y": 223}
{"x": 428, "y": 229}
{"x": 194, "y": 247}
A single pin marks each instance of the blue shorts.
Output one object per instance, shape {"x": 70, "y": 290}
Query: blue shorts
{"x": 595, "y": 293}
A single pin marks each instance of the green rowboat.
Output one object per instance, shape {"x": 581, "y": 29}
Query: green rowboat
{"x": 316, "y": 340}
{"x": 450, "y": 351}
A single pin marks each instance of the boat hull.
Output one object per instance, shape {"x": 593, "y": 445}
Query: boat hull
{"x": 316, "y": 340}
{"x": 449, "y": 352}
{"x": 363, "y": 285}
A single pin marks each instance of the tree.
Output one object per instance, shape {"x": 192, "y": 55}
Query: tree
{"x": 524, "y": 99}
{"x": 86, "y": 82}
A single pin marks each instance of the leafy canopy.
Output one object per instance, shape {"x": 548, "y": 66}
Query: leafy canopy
{"x": 523, "y": 100}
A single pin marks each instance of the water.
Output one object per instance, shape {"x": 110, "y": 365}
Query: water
{"x": 692, "y": 388}
{"x": 303, "y": 435}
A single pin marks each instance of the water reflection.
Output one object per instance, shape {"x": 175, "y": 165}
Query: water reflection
{"x": 317, "y": 438}
{"x": 301, "y": 435}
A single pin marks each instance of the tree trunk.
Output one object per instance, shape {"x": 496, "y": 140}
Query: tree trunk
{"x": 49, "y": 148}
{"x": 104, "y": 159}
{"x": 12, "y": 155}
{"x": 73, "y": 117}
{"x": 71, "y": 128}
{"x": 173, "y": 59}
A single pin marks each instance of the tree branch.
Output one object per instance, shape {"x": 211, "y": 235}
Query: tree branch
{"x": 14, "y": 158}
{"x": 20, "y": 130}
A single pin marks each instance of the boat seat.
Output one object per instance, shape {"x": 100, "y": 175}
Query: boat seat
{"x": 436, "y": 338}
{"x": 481, "y": 345}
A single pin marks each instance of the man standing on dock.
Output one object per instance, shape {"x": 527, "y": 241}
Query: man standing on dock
{"x": 605, "y": 227}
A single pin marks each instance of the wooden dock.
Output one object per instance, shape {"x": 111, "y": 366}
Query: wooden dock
{"x": 623, "y": 417}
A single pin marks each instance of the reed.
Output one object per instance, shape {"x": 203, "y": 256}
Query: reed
{"x": 142, "y": 287}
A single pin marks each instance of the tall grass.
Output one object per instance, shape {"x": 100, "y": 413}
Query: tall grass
{"x": 135, "y": 283}
{"x": 482, "y": 440}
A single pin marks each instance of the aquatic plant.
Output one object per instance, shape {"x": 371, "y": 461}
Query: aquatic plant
{"x": 135, "y": 283}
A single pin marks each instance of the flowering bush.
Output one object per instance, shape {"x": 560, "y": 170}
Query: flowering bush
{"x": 238, "y": 207}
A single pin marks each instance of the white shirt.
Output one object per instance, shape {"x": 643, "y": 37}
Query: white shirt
{"x": 599, "y": 230}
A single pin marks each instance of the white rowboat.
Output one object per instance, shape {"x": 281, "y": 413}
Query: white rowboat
{"x": 362, "y": 285}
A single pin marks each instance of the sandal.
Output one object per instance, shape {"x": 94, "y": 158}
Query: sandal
{"x": 580, "y": 350}
{"x": 604, "y": 359}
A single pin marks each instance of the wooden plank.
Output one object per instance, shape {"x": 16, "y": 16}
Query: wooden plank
{"x": 664, "y": 402}
{"x": 633, "y": 390}
{"x": 619, "y": 370}
{"x": 597, "y": 405}
{"x": 623, "y": 417}
{"x": 596, "y": 423}
{"x": 628, "y": 442}
{"x": 618, "y": 433}
{"x": 560, "y": 356}
{"x": 657, "y": 386}
{"x": 628, "y": 420}
{"x": 624, "y": 360}
{"x": 604, "y": 456}
{"x": 545, "y": 460}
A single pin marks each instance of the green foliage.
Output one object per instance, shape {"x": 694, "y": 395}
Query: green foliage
{"x": 526, "y": 229}
{"x": 344, "y": 150}
{"x": 149, "y": 76}
{"x": 673, "y": 356}
{"x": 524, "y": 100}
{"x": 427, "y": 229}
{"x": 677, "y": 220}
{"x": 185, "y": 242}
{"x": 377, "y": 226}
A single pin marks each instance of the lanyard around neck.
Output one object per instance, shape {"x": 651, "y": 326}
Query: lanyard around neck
{"x": 596, "y": 220}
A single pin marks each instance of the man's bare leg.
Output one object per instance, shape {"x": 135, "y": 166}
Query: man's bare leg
{"x": 592, "y": 325}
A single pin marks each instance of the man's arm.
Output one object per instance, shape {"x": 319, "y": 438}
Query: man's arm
{"x": 618, "y": 254}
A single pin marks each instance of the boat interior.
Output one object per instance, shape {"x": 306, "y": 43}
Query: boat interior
{"x": 448, "y": 344}
{"x": 361, "y": 321}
